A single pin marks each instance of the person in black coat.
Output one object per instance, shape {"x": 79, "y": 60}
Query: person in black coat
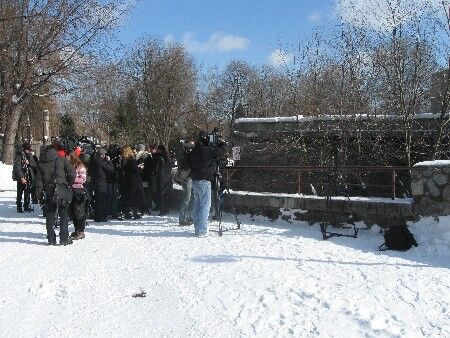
{"x": 133, "y": 198}
{"x": 53, "y": 169}
{"x": 163, "y": 179}
{"x": 23, "y": 172}
{"x": 101, "y": 171}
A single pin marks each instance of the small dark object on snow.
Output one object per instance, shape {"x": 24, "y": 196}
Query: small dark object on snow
{"x": 398, "y": 238}
{"x": 141, "y": 294}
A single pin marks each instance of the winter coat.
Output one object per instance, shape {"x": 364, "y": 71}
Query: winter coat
{"x": 149, "y": 169}
{"x": 18, "y": 168}
{"x": 46, "y": 174}
{"x": 132, "y": 190}
{"x": 77, "y": 209}
{"x": 163, "y": 174}
{"x": 101, "y": 171}
{"x": 80, "y": 178}
{"x": 202, "y": 161}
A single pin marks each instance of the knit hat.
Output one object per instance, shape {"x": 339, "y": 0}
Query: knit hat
{"x": 101, "y": 151}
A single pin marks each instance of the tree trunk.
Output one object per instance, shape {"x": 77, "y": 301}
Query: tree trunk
{"x": 10, "y": 135}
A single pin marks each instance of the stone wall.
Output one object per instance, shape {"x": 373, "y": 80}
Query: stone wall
{"x": 430, "y": 187}
{"x": 335, "y": 141}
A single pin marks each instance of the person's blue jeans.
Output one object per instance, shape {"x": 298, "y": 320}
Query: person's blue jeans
{"x": 201, "y": 204}
{"x": 186, "y": 203}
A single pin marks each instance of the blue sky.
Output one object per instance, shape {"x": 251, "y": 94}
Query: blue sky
{"x": 217, "y": 31}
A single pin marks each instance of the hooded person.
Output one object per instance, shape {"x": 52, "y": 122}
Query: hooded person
{"x": 101, "y": 171}
{"x": 163, "y": 179}
{"x": 53, "y": 169}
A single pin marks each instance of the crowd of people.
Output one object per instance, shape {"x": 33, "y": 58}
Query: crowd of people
{"x": 115, "y": 183}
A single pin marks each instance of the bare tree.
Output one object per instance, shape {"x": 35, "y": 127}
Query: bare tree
{"x": 441, "y": 91}
{"x": 165, "y": 75}
{"x": 41, "y": 41}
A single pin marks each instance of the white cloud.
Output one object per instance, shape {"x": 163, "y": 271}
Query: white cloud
{"x": 314, "y": 17}
{"x": 384, "y": 15}
{"x": 217, "y": 42}
{"x": 279, "y": 58}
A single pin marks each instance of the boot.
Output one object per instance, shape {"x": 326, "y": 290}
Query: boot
{"x": 79, "y": 235}
{"x": 68, "y": 241}
{"x": 19, "y": 209}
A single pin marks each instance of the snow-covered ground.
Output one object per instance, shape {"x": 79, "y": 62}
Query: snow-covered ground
{"x": 270, "y": 279}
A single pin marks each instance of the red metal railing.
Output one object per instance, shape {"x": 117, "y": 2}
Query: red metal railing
{"x": 300, "y": 170}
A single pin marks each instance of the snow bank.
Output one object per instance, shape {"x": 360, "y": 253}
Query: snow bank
{"x": 433, "y": 234}
{"x": 6, "y": 182}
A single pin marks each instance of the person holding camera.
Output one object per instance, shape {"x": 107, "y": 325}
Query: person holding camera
{"x": 23, "y": 172}
{"x": 53, "y": 170}
{"x": 202, "y": 161}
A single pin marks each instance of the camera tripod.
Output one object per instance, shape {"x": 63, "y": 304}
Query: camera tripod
{"x": 221, "y": 189}
{"x": 332, "y": 190}
{"x": 326, "y": 220}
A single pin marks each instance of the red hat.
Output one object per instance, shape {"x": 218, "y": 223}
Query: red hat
{"x": 77, "y": 150}
{"x": 61, "y": 152}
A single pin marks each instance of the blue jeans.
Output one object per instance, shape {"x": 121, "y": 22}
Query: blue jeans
{"x": 186, "y": 203}
{"x": 201, "y": 205}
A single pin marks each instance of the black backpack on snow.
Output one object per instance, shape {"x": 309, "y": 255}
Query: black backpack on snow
{"x": 398, "y": 238}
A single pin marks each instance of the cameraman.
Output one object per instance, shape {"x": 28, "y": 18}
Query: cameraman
{"x": 23, "y": 172}
{"x": 201, "y": 162}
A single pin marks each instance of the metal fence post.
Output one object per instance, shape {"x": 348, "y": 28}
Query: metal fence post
{"x": 393, "y": 184}
{"x": 299, "y": 182}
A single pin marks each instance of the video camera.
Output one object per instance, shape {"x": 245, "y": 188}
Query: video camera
{"x": 215, "y": 138}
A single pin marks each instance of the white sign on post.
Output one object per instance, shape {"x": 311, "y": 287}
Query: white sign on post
{"x": 236, "y": 153}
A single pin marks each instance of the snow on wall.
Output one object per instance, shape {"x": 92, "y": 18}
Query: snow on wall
{"x": 338, "y": 198}
{"x": 437, "y": 163}
{"x": 301, "y": 118}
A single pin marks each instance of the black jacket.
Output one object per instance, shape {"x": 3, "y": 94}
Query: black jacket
{"x": 101, "y": 171}
{"x": 202, "y": 161}
{"x": 18, "y": 168}
{"x": 132, "y": 190}
{"x": 163, "y": 173}
{"x": 149, "y": 168}
{"x": 46, "y": 174}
